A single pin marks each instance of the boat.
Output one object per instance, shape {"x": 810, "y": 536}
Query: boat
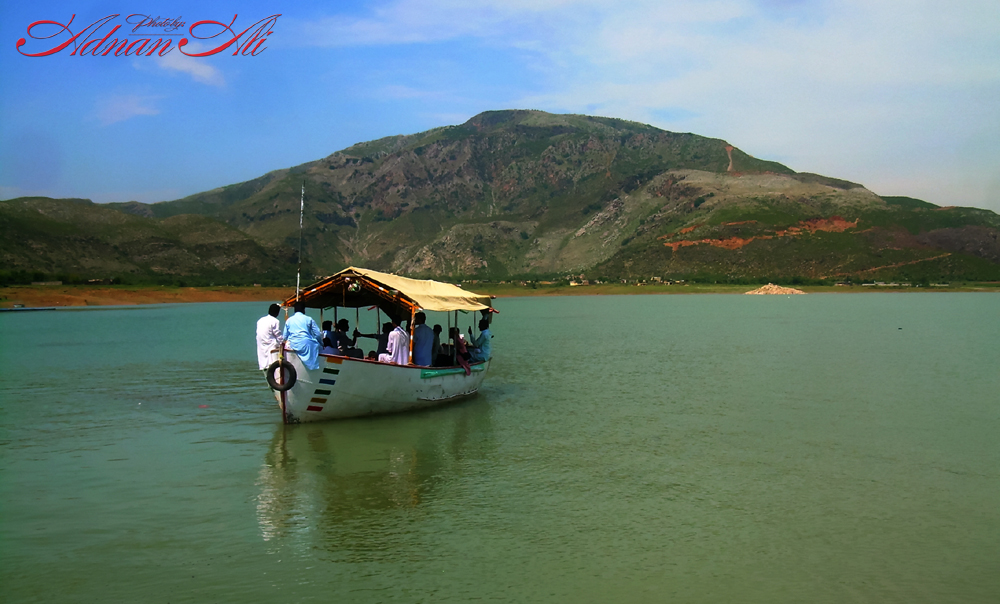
{"x": 345, "y": 387}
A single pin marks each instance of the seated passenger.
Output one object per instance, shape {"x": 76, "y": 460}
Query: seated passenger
{"x": 382, "y": 338}
{"x": 436, "y": 350}
{"x": 327, "y": 331}
{"x": 344, "y": 343}
{"x": 462, "y": 354}
{"x": 328, "y": 347}
{"x": 481, "y": 346}
{"x": 397, "y": 348}
{"x": 423, "y": 341}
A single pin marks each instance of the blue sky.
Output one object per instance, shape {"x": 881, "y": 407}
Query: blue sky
{"x": 901, "y": 96}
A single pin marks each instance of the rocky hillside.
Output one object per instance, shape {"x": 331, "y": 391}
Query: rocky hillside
{"x": 500, "y": 194}
{"x": 521, "y": 193}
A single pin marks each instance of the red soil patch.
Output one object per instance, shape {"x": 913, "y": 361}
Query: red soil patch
{"x": 732, "y": 243}
{"x": 834, "y": 224}
{"x": 677, "y": 244}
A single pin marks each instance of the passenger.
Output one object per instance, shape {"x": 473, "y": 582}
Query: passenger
{"x": 397, "y": 349}
{"x": 372, "y": 356}
{"x": 436, "y": 346}
{"x": 344, "y": 343}
{"x": 327, "y": 332}
{"x": 423, "y": 341}
{"x": 461, "y": 352}
{"x": 303, "y": 336}
{"x": 481, "y": 346}
{"x": 328, "y": 347}
{"x": 268, "y": 336}
{"x": 382, "y": 338}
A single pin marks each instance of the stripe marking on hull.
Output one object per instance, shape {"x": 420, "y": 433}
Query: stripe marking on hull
{"x": 432, "y": 373}
{"x": 330, "y": 382}
{"x": 333, "y": 371}
{"x": 313, "y": 408}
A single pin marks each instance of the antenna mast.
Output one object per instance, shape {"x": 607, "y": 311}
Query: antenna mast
{"x": 298, "y": 272}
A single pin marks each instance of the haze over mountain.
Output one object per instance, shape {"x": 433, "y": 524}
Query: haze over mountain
{"x": 518, "y": 194}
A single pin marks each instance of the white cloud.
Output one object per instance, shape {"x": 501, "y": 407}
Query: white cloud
{"x": 197, "y": 68}
{"x": 114, "y": 109}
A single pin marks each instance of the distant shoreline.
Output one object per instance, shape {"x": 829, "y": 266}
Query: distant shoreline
{"x": 619, "y": 289}
{"x": 65, "y": 296}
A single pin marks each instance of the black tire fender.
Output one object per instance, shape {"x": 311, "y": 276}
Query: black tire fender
{"x": 285, "y": 367}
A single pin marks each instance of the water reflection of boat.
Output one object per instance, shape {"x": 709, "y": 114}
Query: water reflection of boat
{"x": 336, "y": 483}
{"x": 347, "y": 387}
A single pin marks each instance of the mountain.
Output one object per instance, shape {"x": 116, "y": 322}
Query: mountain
{"x": 521, "y": 193}
{"x": 79, "y": 240}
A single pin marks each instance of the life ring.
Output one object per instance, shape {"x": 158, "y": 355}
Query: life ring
{"x": 291, "y": 376}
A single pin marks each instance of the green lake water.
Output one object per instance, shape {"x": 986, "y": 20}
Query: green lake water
{"x": 819, "y": 448}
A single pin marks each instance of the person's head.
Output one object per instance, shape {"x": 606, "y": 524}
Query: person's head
{"x": 453, "y": 332}
{"x": 387, "y": 327}
{"x": 327, "y": 342}
{"x": 300, "y": 306}
{"x": 437, "y": 329}
{"x": 372, "y": 356}
{"x": 343, "y": 325}
{"x": 484, "y": 324}
{"x": 419, "y": 318}
{"x": 273, "y": 310}
{"x": 328, "y": 325}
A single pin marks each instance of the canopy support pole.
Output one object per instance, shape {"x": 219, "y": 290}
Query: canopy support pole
{"x": 413, "y": 314}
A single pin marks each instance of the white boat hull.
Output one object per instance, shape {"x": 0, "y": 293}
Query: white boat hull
{"x": 344, "y": 387}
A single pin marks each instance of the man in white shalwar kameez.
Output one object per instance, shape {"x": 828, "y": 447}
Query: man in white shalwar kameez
{"x": 397, "y": 348}
{"x": 268, "y": 336}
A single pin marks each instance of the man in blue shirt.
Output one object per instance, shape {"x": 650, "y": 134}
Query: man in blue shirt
{"x": 303, "y": 336}
{"x": 482, "y": 348}
{"x": 423, "y": 341}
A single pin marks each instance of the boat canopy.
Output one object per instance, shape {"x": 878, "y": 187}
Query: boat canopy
{"x": 359, "y": 287}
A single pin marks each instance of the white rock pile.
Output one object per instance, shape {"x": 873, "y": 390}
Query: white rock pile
{"x": 771, "y": 288}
